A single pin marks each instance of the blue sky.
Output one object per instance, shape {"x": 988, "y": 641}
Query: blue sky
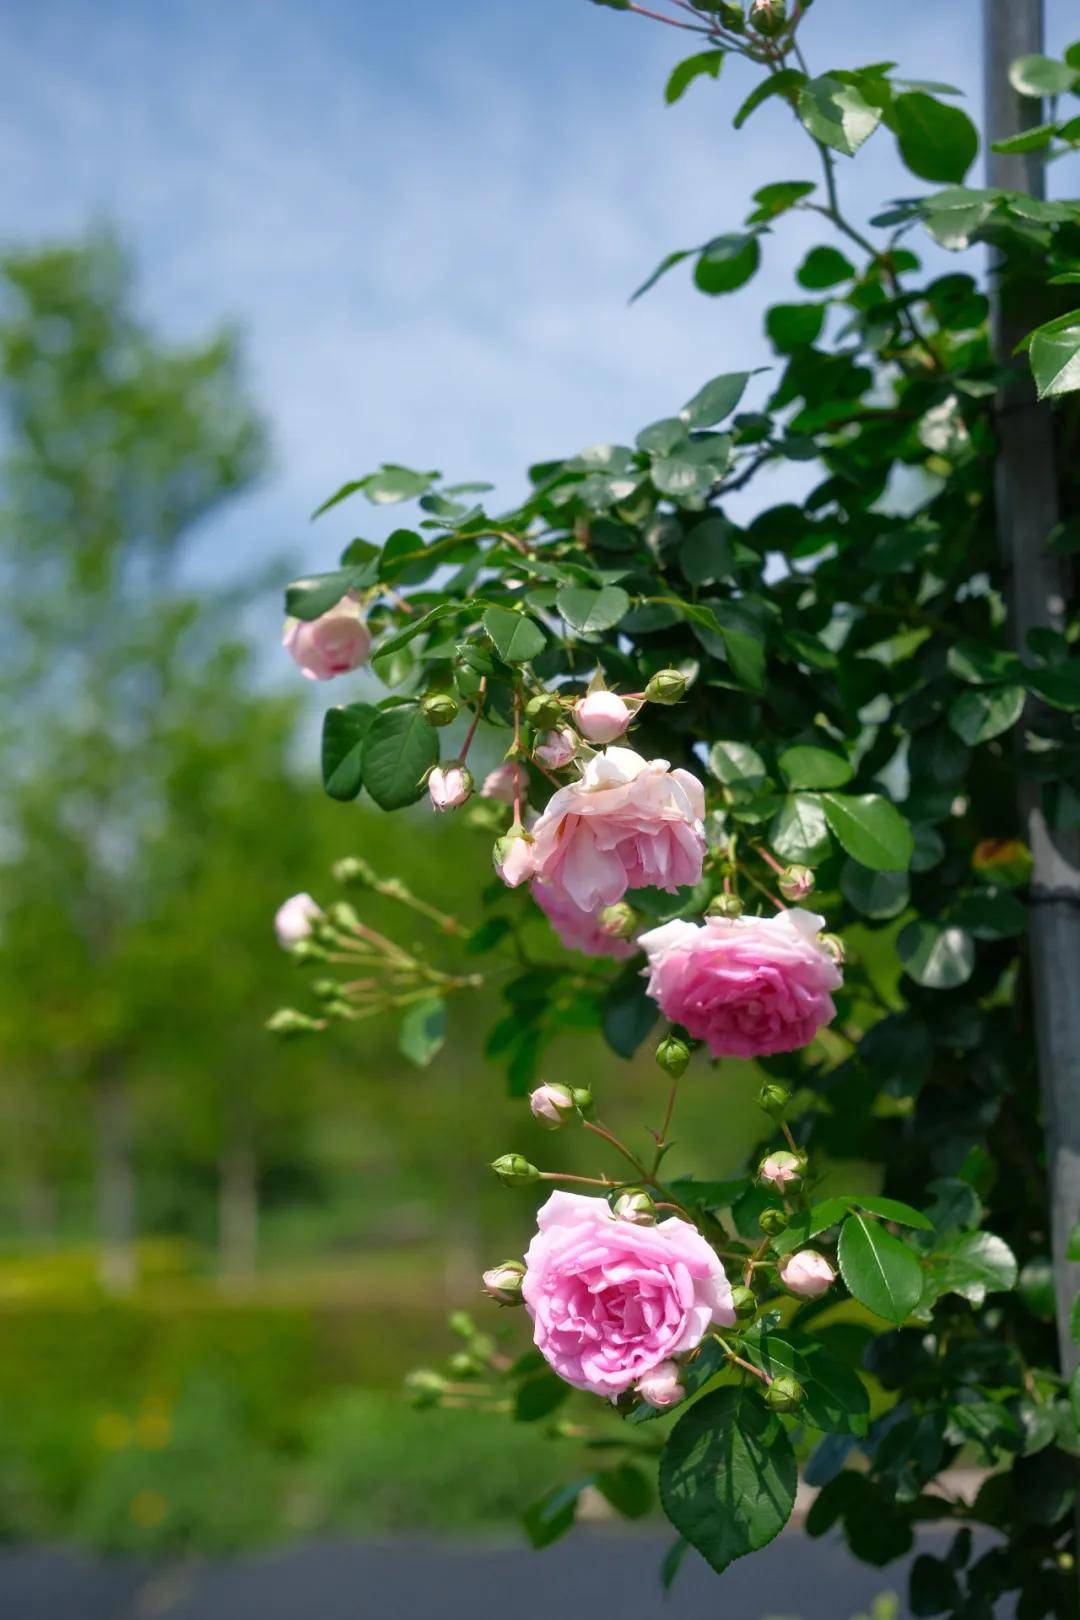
{"x": 426, "y": 217}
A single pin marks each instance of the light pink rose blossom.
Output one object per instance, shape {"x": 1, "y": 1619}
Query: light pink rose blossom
{"x": 293, "y": 919}
{"x": 807, "y": 1274}
{"x": 578, "y": 930}
{"x": 506, "y": 781}
{"x": 629, "y": 823}
{"x": 556, "y": 748}
{"x": 611, "y": 1301}
{"x": 552, "y": 1105}
{"x": 661, "y": 1387}
{"x": 332, "y": 644}
{"x": 449, "y": 786}
{"x": 601, "y": 716}
{"x": 746, "y": 986}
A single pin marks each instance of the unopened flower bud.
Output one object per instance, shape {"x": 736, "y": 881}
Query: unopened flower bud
{"x": 582, "y": 1097}
{"x": 784, "y": 1171}
{"x": 543, "y": 711}
{"x": 744, "y": 1303}
{"x": 464, "y": 1365}
{"x": 834, "y": 946}
{"x": 553, "y": 1105}
{"x": 725, "y": 905}
{"x": 293, "y": 920}
{"x": 287, "y": 1021}
{"x": 774, "y": 1098}
{"x": 514, "y": 855}
{"x": 556, "y": 748}
{"x": 769, "y": 17}
{"x": 636, "y": 1206}
{"x": 601, "y": 716}
{"x": 795, "y": 883}
{"x": 507, "y": 782}
{"x": 807, "y": 1274}
{"x": 449, "y": 786}
{"x": 660, "y": 1387}
{"x": 618, "y": 921}
{"x": 773, "y": 1221}
{"x": 673, "y": 1055}
{"x": 666, "y": 686}
{"x": 424, "y": 1386}
{"x": 325, "y": 989}
{"x": 503, "y": 1282}
{"x": 353, "y": 871}
{"x": 784, "y": 1394}
{"x": 514, "y": 1170}
{"x": 343, "y": 917}
{"x": 439, "y": 708}
{"x": 306, "y": 952}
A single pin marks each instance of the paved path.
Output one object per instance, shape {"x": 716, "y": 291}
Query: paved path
{"x": 589, "y": 1574}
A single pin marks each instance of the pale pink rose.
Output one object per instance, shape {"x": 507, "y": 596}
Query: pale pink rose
{"x": 781, "y": 1170}
{"x": 601, "y": 716}
{"x": 332, "y": 644}
{"x": 507, "y": 781}
{"x": 578, "y": 930}
{"x": 552, "y": 1105}
{"x": 515, "y": 857}
{"x": 629, "y": 823}
{"x": 556, "y": 748}
{"x": 611, "y": 1301}
{"x": 807, "y": 1274}
{"x": 449, "y": 786}
{"x": 293, "y": 919}
{"x": 661, "y": 1387}
{"x": 746, "y": 986}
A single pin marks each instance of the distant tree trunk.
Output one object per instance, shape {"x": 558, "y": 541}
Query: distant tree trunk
{"x": 238, "y": 1213}
{"x": 116, "y": 1181}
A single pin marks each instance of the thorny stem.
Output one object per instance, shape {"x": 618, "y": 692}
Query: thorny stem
{"x": 661, "y": 1140}
{"x": 620, "y": 1147}
{"x": 750, "y": 878}
{"x": 745, "y": 1365}
{"x": 584, "y": 1181}
{"x": 753, "y": 1260}
{"x": 471, "y": 733}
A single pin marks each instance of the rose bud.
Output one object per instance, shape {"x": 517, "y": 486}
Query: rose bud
{"x": 784, "y": 1171}
{"x": 773, "y": 1221}
{"x": 673, "y": 1056}
{"x": 332, "y": 644}
{"x": 293, "y": 919}
{"x": 553, "y": 1106}
{"x": 601, "y": 716}
{"x": 635, "y": 1206}
{"x": 661, "y": 1387}
{"x": 503, "y": 1283}
{"x": 745, "y": 1302}
{"x": 796, "y": 882}
{"x": 353, "y": 871}
{"x": 725, "y": 905}
{"x": 807, "y": 1274}
{"x": 618, "y": 921}
{"x": 514, "y": 857}
{"x": 514, "y": 1170}
{"x": 666, "y": 686}
{"x": 507, "y": 782}
{"x": 774, "y": 1098}
{"x": 424, "y": 1387}
{"x": 834, "y": 946}
{"x": 449, "y": 786}
{"x": 784, "y": 1394}
{"x": 439, "y": 708}
{"x": 769, "y": 17}
{"x": 556, "y": 748}
{"x": 290, "y": 1022}
{"x": 543, "y": 711}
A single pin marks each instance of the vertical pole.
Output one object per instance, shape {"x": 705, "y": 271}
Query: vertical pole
{"x": 1037, "y": 591}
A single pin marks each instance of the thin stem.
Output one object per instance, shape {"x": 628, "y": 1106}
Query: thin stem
{"x": 620, "y": 1147}
{"x": 672, "y": 22}
{"x": 661, "y": 1140}
{"x": 471, "y": 733}
{"x": 750, "y": 878}
{"x": 753, "y": 1260}
{"x": 584, "y": 1181}
{"x": 745, "y": 1365}
{"x": 789, "y": 1139}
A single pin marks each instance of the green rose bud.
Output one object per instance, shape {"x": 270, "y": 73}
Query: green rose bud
{"x": 582, "y": 1097}
{"x": 784, "y": 1394}
{"x": 439, "y": 708}
{"x": 769, "y": 17}
{"x": 774, "y": 1098}
{"x": 306, "y": 951}
{"x": 289, "y": 1022}
{"x": 834, "y": 946}
{"x": 636, "y": 1206}
{"x": 424, "y": 1387}
{"x": 782, "y": 1171}
{"x": 673, "y": 1056}
{"x": 353, "y": 872}
{"x": 463, "y": 1365}
{"x": 618, "y": 921}
{"x": 744, "y": 1302}
{"x": 725, "y": 905}
{"x": 666, "y": 686}
{"x": 544, "y": 711}
{"x": 514, "y": 1170}
{"x": 796, "y": 882}
{"x": 343, "y": 917}
{"x": 503, "y": 1282}
{"x": 773, "y": 1221}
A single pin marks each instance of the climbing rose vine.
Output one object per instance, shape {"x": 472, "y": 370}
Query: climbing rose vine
{"x": 757, "y": 801}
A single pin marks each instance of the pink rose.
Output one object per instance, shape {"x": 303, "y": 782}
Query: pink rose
{"x": 514, "y": 856}
{"x": 611, "y": 1301}
{"x": 807, "y": 1274}
{"x": 601, "y": 716}
{"x": 578, "y": 930}
{"x": 781, "y": 1170}
{"x": 552, "y": 1105}
{"x": 747, "y": 986}
{"x": 449, "y": 786}
{"x": 293, "y": 919}
{"x": 332, "y": 644}
{"x": 661, "y": 1387}
{"x": 556, "y": 748}
{"x": 629, "y": 823}
{"x": 507, "y": 781}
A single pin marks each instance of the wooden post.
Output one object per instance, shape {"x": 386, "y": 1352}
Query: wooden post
{"x": 1037, "y": 590}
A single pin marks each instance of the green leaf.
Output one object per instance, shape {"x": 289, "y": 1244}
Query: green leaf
{"x": 808, "y": 767}
{"x": 785, "y": 83}
{"x": 877, "y": 895}
{"x": 628, "y": 1015}
{"x": 391, "y": 483}
{"x": 343, "y": 735}
{"x": 728, "y": 1476}
{"x": 706, "y": 64}
{"x": 1057, "y": 684}
{"x": 690, "y": 472}
{"x": 790, "y": 326}
{"x": 880, "y": 1271}
{"x": 836, "y": 1399}
{"x": 836, "y": 114}
{"x": 936, "y": 956}
{"x": 716, "y": 400}
{"x": 932, "y": 1587}
{"x": 1039, "y": 76}
{"x": 515, "y": 637}
{"x": 553, "y": 1515}
{"x": 587, "y": 611}
{"x": 800, "y": 831}
{"x": 871, "y": 830}
{"x": 666, "y": 264}
{"x": 660, "y": 438}
{"x": 423, "y": 1031}
{"x": 726, "y": 263}
{"x": 627, "y": 1488}
{"x": 706, "y": 554}
{"x": 981, "y": 713}
{"x": 417, "y": 627}
{"x": 308, "y": 598}
{"x": 737, "y": 766}
{"x": 775, "y": 199}
{"x": 1054, "y": 355}
{"x": 538, "y": 1396}
{"x": 936, "y": 142}
{"x": 823, "y": 267}
{"x": 1029, "y": 140}
{"x": 977, "y": 1264}
{"x": 399, "y": 750}
{"x": 893, "y": 1210}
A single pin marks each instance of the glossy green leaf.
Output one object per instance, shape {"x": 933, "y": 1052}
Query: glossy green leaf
{"x": 1054, "y": 355}
{"x": 937, "y": 142}
{"x": 824, "y": 267}
{"x": 892, "y": 1209}
{"x": 809, "y": 767}
{"x": 587, "y": 611}
{"x": 399, "y": 750}
{"x": 871, "y": 830}
{"x": 981, "y": 713}
{"x": 791, "y": 325}
{"x": 1057, "y": 684}
{"x": 706, "y": 554}
{"x": 706, "y": 64}
{"x": 423, "y": 1031}
{"x": 836, "y": 114}
{"x": 343, "y": 735}
{"x": 800, "y": 830}
{"x": 1039, "y": 76}
{"x": 785, "y": 83}
{"x": 881, "y": 1272}
{"x": 974, "y": 1265}
{"x": 667, "y": 263}
{"x": 936, "y": 956}
{"x": 515, "y": 637}
{"x": 877, "y": 895}
{"x": 727, "y": 263}
{"x": 717, "y": 399}
{"x": 737, "y": 766}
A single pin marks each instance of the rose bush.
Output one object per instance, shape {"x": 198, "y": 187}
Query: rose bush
{"x": 819, "y": 702}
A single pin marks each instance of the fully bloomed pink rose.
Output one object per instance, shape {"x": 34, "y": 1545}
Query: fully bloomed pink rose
{"x": 332, "y": 644}
{"x": 746, "y": 986}
{"x": 611, "y": 1301}
{"x": 578, "y": 930}
{"x": 629, "y": 823}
